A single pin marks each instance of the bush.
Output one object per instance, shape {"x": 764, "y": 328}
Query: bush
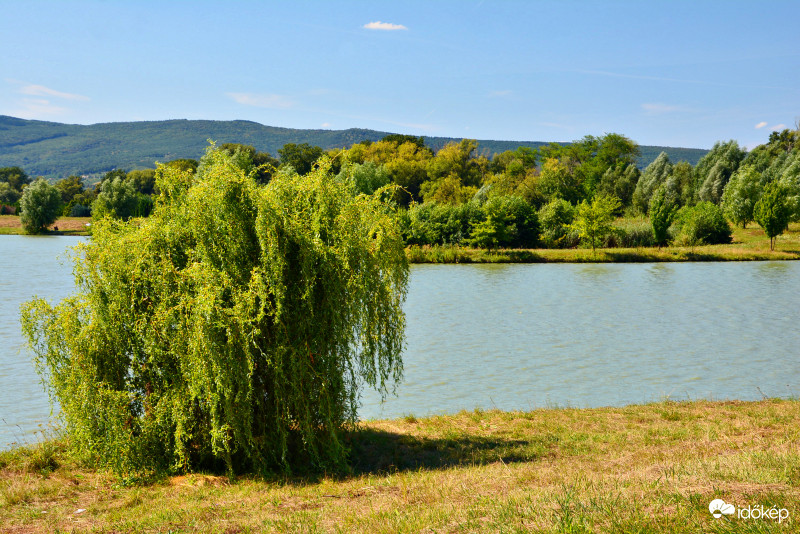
{"x": 631, "y": 234}
{"x": 40, "y": 206}
{"x": 555, "y": 218}
{"x": 79, "y": 210}
{"x": 234, "y": 327}
{"x": 506, "y": 221}
{"x": 440, "y": 224}
{"x": 703, "y": 224}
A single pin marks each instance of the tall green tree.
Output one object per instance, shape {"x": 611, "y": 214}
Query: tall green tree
{"x": 557, "y": 181}
{"x": 300, "y": 157}
{"x": 620, "y": 181}
{"x": 234, "y": 327}
{"x": 593, "y": 220}
{"x": 663, "y": 209}
{"x": 262, "y": 163}
{"x": 8, "y": 195}
{"x": 117, "y": 198}
{"x": 654, "y": 176}
{"x": 772, "y": 211}
{"x": 741, "y": 194}
{"x": 715, "y": 169}
{"x": 15, "y": 177}
{"x": 40, "y": 206}
{"x": 69, "y": 187}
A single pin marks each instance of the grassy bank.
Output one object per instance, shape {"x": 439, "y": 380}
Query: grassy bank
{"x": 748, "y": 245}
{"x": 10, "y": 225}
{"x": 652, "y": 468}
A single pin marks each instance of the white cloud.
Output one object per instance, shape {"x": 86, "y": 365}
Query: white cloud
{"x": 778, "y": 127}
{"x": 259, "y": 100}
{"x": 325, "y": 125}
{"x": 385, "y": 26}
{"x": 41, "y": 90}
{"x": 505, "y": 92}
{"x": 35, "y": 108}
{"x": 760, "y": 125}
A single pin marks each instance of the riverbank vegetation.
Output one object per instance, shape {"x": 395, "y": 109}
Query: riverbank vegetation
{"x": 650, "y": 468}
{"x": 525, "y": 198}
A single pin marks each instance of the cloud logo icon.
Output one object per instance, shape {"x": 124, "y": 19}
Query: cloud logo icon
{"x": 718, "y": 508}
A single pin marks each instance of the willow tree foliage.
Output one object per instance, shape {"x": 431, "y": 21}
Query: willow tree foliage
{"x": 741, "y": 194}
{"x": 235, "y": 326}
{"x": 654, "y": 176}
{"x": 715, "y": 169}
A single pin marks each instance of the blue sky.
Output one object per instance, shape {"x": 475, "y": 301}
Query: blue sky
{"x": 678, "y": 73}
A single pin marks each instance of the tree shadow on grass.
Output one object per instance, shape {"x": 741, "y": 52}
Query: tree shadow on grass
{"x": 378, "y": 451}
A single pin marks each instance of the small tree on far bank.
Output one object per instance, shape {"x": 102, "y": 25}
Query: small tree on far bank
{"x": 662, "y": 213}
{"x": 772, "y": 211}
{"x": 117, "y": 198}
{"x": 40, "y": 206}
{"x": 593, "y": 220}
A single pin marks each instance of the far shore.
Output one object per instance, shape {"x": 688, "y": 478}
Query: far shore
{"x": 749, "y": 244}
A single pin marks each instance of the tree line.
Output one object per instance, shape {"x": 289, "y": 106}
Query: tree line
{"x": 554, "y": 196}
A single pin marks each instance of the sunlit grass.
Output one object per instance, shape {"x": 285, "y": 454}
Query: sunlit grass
{"x": 650, "y": 468}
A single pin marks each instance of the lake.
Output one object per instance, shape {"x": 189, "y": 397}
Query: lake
{"x": 518, "y": 336}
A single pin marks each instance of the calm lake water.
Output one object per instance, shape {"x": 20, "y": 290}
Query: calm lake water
{"x": 518, "y": 336}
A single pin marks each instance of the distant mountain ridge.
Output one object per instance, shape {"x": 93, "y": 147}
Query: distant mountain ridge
{"x": 55, "y": 150}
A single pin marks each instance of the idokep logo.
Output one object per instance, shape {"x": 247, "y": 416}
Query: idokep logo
{"x": 718, "y": 508}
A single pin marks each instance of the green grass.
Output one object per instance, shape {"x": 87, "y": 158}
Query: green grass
{"x": 750, "y": 244}
{"x": 651, "y": 468}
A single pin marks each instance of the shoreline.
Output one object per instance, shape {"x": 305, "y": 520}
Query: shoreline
{"x": 749, "y": 244}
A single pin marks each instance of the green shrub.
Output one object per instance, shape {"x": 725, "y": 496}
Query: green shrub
{"x": 506, "y": 221}
{"x": 79, "y": 210}
{"x": 555, "y": 218}
{"x": 440, "y": 224}
{"x": 631, "y": 234}
{"x": 233, "y": 327}
{"x": 703, "y": 223}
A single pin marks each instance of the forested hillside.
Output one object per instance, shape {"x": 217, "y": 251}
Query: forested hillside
{"x": 55, "y": 150}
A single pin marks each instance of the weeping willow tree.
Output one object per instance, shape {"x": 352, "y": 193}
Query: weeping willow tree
{"x": 235, "y": 326}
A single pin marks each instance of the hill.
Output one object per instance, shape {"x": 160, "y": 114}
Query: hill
{"x": 56, "y": 150}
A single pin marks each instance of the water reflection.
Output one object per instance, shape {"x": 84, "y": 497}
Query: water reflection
{"x": 589, "y": 335}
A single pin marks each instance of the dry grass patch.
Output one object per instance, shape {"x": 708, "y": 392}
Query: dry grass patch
{"x": 651, "y": 468}
{"x": 11, "y": 225}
